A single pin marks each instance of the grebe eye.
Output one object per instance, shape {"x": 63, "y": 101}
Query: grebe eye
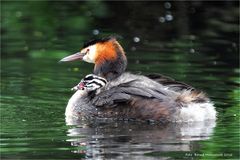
{"x": 87, "y": 51}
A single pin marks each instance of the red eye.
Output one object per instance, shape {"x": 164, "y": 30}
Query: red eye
{"x": 86, "y": 52}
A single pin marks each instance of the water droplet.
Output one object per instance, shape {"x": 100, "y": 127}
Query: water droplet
{"x": 161, "y": 19}
{"x": 234, "y": 45}
{"x": 38, "y": 34}
{"x": 167, "y": 5}
{"x": 95, "y": 32}
{"x": 192, "y": 50}
{"x": 169, "y": 17}
{"x": 133, "y": 48}
{"x": 192, "y": 37}
{"x": 136, "y": 39}
{"x": 18, "y": 14}
{"x": 75, "y": 69}
{"x": 25, "y": 48}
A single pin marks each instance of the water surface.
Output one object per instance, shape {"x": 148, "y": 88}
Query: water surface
{"x": 35, "y": 93}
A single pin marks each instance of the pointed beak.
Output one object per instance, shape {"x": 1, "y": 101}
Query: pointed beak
{"x": 73, "y": 57}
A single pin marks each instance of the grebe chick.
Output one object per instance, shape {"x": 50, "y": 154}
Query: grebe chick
{"x": 130, "y": 96}
{"x": 79, "y": 104}
{"x": 90, "y": 82}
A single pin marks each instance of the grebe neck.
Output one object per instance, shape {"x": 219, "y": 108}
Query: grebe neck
{"x": 111, "y": 67}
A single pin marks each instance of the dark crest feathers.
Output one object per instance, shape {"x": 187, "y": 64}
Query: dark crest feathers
{"x": 98, "y": 40}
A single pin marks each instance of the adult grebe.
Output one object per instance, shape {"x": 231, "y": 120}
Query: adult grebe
{"x": 130, "y": 96}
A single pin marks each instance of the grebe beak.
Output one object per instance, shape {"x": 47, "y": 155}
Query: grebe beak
{"x": 73, "y": 57}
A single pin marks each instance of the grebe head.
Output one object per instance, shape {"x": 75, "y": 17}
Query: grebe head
{"x": 90, "y": 83}
{"x": 107, "y": 55}
{"x": 97, "y": 50}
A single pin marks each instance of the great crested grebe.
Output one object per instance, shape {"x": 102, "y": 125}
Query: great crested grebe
{"x": 113, "y": 93}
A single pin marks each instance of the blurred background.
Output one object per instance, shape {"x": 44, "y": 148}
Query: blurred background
{"x": 192, "y": 41}
{"x": 52, "y": 28}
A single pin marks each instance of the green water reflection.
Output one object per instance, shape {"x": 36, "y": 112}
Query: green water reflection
{"x": 199, "y": 46}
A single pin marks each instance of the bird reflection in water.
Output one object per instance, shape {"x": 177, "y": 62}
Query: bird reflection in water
{"x": 123, "y": 139}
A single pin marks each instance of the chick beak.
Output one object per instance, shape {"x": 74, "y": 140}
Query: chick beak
{"x": 73, "y": 57}
{"x": 81, "y": 85}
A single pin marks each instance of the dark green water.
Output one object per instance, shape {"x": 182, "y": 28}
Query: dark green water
{"x": 35, "y": 88}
